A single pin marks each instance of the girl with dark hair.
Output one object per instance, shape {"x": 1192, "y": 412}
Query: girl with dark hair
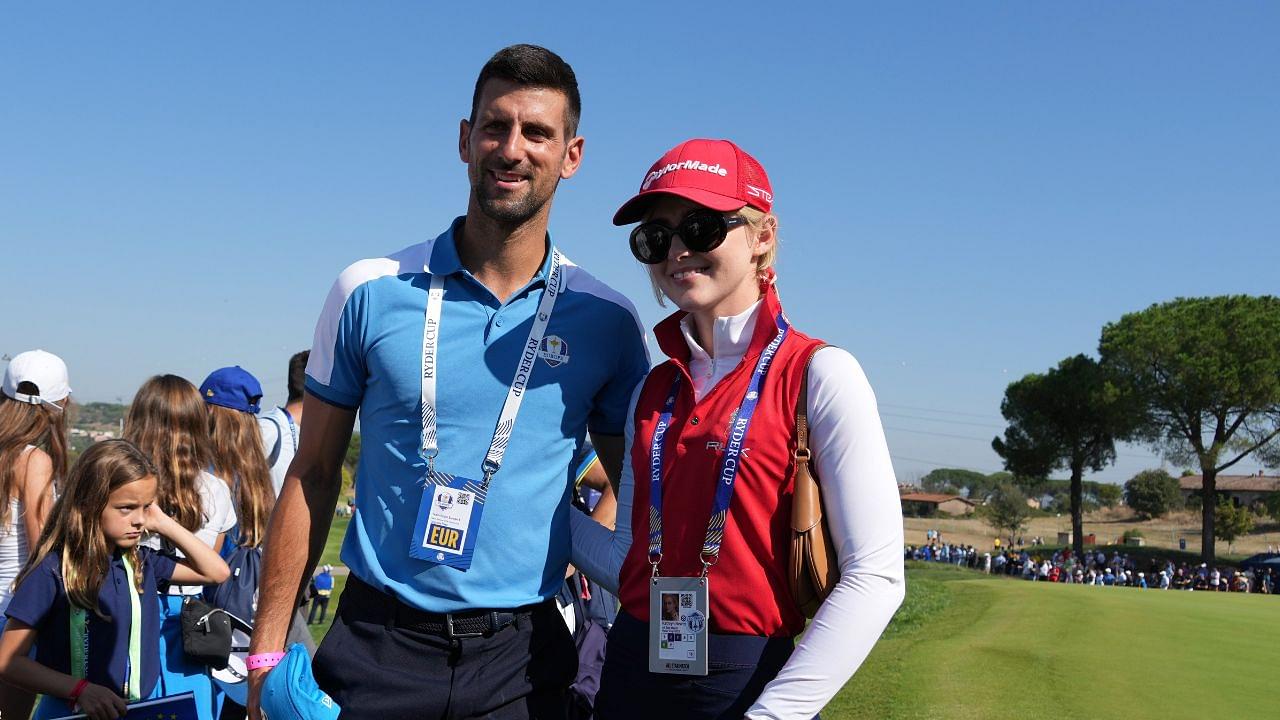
{"x": 86, "y": 598}
{"x": 167, "y": 421}
{"x": 33, "y": 457}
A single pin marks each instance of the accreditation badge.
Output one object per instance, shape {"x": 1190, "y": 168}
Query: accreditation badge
{"x": 448, "y": 518}
{"x": 678, "y": 625}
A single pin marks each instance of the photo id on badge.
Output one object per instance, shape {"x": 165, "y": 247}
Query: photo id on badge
{"x": 448, "y": 517}
{"x": 678, "y": 625}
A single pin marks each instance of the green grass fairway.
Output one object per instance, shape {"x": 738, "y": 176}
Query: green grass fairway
{"x": 967, "y": 646}
{"x": 333, "y": 544}
{"x": 332, "y": 547}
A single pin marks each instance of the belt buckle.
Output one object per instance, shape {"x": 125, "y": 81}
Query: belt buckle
{"x": 450, "y": 634}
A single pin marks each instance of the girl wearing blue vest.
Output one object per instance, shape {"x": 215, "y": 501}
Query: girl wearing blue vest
{"x": 86, "y": 598}
{"x": 708, "y": 620}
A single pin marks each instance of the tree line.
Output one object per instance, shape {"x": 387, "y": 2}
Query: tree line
{"x": 1195, "y": 379}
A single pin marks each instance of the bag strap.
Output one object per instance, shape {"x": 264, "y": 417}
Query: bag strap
{"x": 274, "y": 455}
{"x": 806, "y": 501}
{"x": 802, "y": 413}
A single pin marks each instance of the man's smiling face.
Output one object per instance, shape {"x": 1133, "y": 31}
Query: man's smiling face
{"x": 517, "y": 149}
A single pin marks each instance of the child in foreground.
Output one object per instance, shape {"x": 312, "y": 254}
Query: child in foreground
{"x": 86, "y": 598}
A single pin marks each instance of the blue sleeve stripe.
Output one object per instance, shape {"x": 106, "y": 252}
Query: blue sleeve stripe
{"x": 329, "y": 396}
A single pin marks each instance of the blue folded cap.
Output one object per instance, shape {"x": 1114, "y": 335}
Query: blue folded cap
{"x": 232, "y": 387}
{"x": 290, "y": 691}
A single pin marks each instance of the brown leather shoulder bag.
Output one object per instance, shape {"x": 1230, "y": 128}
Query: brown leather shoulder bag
{"x": 814, "y": 568}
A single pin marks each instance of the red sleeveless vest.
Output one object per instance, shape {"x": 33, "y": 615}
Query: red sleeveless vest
{"x": 750, "y": 594}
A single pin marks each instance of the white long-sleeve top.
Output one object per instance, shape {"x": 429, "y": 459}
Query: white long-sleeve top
{"x": 860, "y": 500}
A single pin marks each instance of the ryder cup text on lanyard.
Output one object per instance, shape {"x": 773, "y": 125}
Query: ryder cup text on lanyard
{"x": 729, "y": 462}
{"x": 515, "y": 394}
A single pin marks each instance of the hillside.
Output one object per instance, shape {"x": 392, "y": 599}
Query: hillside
{"x": 97, "y": 415}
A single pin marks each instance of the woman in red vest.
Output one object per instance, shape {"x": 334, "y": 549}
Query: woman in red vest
{"x": 708, "y": 620}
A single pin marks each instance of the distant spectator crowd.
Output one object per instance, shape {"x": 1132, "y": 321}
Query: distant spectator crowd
{"x": 1096, "y": 568}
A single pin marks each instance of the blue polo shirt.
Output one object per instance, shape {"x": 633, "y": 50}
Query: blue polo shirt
{"x": 367, "y": 354}
{"x": 41, "y": 602}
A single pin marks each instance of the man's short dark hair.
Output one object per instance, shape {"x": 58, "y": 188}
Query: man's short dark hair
{"x": 298, "y": 374}
{"x": 532, "y": 66}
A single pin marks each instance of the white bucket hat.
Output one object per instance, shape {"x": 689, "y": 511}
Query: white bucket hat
{"x": 44, "y": 370}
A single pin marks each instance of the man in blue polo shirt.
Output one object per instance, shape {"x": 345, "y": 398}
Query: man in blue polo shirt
{"x": 478, "y": 362}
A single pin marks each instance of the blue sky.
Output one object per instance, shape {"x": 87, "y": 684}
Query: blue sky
{"x": 968, "y": 192}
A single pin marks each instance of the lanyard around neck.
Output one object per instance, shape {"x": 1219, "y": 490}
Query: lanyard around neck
{"x": 79, "y": 622}
{"x": 520, "y": 381}
{"x": 729, "y": 461}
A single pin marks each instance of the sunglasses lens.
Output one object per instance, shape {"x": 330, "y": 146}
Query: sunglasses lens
{"x": 702, "y": 231}
{"x": 650, "y": 243}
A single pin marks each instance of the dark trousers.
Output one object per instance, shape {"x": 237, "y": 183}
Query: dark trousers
{"x": 375, "y": 667}
{"x": 321, "y": 603}
{"x": 738, "y": 669}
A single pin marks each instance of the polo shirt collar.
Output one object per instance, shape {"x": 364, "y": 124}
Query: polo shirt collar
{"x": 444, "y": 254}
{"x": 444, "y": 258}
{"x": 730, "y": 336}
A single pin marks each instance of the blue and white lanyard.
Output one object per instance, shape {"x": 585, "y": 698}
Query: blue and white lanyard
{"x": 293, "y": 428}
{"x": 515, "y": 393}
{"x": 729, "y": 461}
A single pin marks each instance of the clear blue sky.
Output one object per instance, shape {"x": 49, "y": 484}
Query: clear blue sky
{"x": 967, "y": 191}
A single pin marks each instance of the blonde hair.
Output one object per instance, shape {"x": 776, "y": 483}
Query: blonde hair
{"x": 239, "y": 459}
{"x": 75, "y": 526}
{"x": 756, "y": 220}
{"x": 167, "y": 421}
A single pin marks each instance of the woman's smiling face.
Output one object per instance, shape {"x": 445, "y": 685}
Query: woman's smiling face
{"x": 715, "y": 283}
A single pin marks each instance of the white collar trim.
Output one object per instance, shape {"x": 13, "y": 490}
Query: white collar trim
{"x": 730, "y": 336}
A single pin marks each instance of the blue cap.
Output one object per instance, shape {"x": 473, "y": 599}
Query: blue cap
{"x": 232, "y": 387}
{"x": 290, "y": 691}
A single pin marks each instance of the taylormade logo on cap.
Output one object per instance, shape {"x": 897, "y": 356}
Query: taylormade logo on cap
{"x": 653, "y": 176}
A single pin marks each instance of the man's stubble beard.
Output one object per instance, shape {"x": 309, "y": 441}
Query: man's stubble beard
{"x": 513, "y": 212}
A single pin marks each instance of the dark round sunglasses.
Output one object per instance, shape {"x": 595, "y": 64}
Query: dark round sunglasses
{"x": 700, "y": 231}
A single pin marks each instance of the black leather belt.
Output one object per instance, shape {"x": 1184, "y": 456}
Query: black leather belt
{"x": 362, "y": 601}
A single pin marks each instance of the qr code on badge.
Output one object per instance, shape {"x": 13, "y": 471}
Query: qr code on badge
{"x": 464, "y": 499}
{"x": 686, "y": 600}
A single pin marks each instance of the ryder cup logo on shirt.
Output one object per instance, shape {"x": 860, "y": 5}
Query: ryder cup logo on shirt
{"x": 554, "y": 350}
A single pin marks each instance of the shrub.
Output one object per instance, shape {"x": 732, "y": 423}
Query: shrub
{"x": 1230, "y": 522}
{"x": 1152, "y": 493}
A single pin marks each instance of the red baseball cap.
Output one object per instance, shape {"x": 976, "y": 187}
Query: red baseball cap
{"x": 713, "y": 173}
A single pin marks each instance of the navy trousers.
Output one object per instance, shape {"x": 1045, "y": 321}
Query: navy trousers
{"x": 375, "y": 668}
{"x": 738, "y": 669}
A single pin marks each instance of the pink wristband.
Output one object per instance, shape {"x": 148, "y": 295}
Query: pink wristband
{"x": 264, "y": 660}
